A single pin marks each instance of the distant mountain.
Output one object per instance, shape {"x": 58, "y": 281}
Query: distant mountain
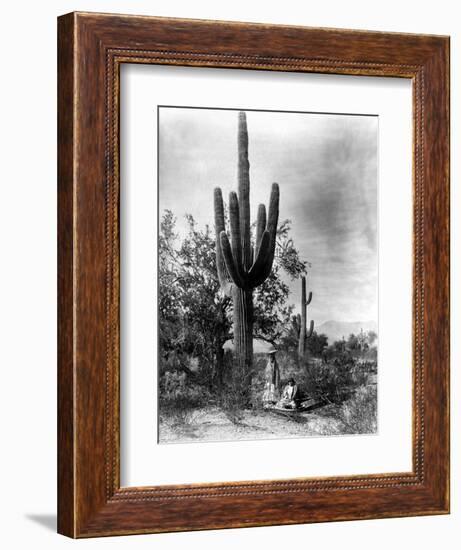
{"x": 335, "y": 330}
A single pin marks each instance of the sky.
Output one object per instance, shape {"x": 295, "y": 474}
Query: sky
{"x": 326, "y": 167}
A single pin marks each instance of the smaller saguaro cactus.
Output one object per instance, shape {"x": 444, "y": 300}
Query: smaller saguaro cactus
{"x": 301, "y": 319}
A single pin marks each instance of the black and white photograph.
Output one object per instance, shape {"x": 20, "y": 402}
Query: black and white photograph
{"x": 268, "y": 274}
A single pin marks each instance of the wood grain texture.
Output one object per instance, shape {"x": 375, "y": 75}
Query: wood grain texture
{"x": 91, "y": 49}
{"x": 66, "y": 471}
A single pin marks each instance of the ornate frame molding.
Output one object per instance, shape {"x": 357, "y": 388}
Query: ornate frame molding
{"x": 91, "y": 49}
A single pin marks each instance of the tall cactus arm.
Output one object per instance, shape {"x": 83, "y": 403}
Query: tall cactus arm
{"x": 236, "y": 238}
{"x": 244, "y": 189}
{"x": 271, "y": 228}
{"x": 231, "y": 266}
{"x": 260, "y": 225}
{"x": 311, "y": 330}
{"x": 273, "y": 212}
{"x": 223, "y": 275}
{"x": 261, "y": 258}
{"x": 309, "y": 299}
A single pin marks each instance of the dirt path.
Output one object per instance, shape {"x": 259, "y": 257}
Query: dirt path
{"x": 212, "y": 424}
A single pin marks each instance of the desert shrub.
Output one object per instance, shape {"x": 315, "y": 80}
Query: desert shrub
{"x": 338, "y": 379}
{"x": 180, "y": 411}
{"x": 235, "y": 393}
{"x": 258, "y": 381}
{"x": 173, "y": 384}
{"x": 359, "y": 413}
{"x": 179, "y": 398}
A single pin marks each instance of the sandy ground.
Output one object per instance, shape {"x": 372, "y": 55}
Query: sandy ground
{"x": 212, "y": 424}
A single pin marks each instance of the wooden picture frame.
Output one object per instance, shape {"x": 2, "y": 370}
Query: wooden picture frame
{"x": 92, "y": 48}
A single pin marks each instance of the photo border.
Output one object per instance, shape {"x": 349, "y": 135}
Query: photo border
{"x": 91, "y": 48}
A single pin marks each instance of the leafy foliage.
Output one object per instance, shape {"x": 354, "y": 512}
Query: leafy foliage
{"x": 195, "y": 316}
{"x": 317, "y": 343}
{"x": 272, "y": 314}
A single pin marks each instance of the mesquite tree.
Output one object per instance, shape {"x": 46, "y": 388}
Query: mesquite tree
{"x": 242, "y": 265}
{"x": 300, "y": 321}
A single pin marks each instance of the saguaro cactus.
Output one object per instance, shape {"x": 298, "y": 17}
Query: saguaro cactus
{"x": 242, "y": 265}
{"x": 302, "y": 319}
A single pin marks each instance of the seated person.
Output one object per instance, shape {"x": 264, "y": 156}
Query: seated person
{"x": 289, "y": 395}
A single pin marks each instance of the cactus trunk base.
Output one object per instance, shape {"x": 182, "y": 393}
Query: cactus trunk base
{"x": 243, "y": 330}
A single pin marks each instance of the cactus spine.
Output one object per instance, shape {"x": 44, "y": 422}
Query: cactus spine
{"x": 241, "y": 266}
{"x": 302, "y": 319}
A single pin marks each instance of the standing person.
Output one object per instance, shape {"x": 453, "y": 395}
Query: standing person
{"x": 272, "y": 381}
